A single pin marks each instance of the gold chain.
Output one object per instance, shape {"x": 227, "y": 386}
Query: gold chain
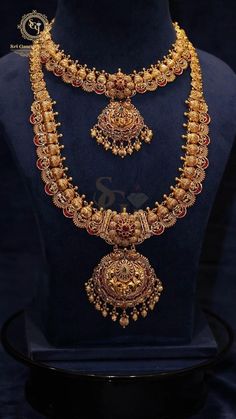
{"x": 116, "y": 85}
{"x": 120, "y": 127}
{"x": 124, "y": 278}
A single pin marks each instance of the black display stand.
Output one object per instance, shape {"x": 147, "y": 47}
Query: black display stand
{"x": 70, "y": 394}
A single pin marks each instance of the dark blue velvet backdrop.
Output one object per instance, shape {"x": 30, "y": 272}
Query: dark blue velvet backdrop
{"x": 211, "y": 26}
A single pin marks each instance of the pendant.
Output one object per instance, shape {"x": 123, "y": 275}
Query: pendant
{"x": 124, "y": 285}
{"x": 121, "y": 129}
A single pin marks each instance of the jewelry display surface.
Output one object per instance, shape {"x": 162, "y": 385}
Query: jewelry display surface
{"x": 71, "y": 254}
{"x": 185, "y": 386}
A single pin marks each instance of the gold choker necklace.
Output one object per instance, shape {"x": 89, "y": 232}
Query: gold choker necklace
{"x": 120, "y": 127}
{"x": 123, "y": 285}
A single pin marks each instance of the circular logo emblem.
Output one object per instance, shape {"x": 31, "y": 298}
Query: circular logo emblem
{"x": 32, "y": 24}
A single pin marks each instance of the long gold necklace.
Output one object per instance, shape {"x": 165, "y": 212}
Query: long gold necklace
{"x": 120, "y": 127}
{"x": 123, "y": 285}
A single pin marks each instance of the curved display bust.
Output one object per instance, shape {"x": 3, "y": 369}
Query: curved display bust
{"x": 94, "y": 34}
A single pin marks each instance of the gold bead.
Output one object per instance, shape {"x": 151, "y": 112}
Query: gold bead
{"x": 112, "y": 233}
{"x": 91, "y": 77}
{"x": 57, "y": 173}
{"x": 86, "y": 212}
{"x": 191, "y": 160}
{"x": 163, "y": 68}
{"x": 127, "y": 92}
{"x": 101, "y": 79}
{"x": 55, "y": 161}
{"x": 82, "y": 73}
{"x": 97, "y": 216}
{"x": 93, "y": 132}
{"x": 147, "y": 76}
{"x": 179, "y": 193}
{"x": 77, "y": 202}
{"x": 189, "y": 172}
{"x": 193, "y": 116}
{"x": 124, "y": 321}
{"x": 185, "y": 183}
{"x": 155, "y": 73}
{"x": 52, "y": 138}
{"x": 69, "y": 193}
{"x": 193, "y": 138}
{"x": 104, "y": 313}
{"x": 130, "y": 85}
{"x": 193, "y": 127}
{"x": 144, "y": 313}
{"x": 152, "y": 217}
{"x": 171, "y": 203}
{"x": 62, "y": 184}
{"x": 138, "y": 78}
{"x": 162, "y": 210}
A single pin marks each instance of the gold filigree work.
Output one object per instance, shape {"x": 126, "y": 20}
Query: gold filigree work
{"x": 124, "y": 275}
{"x": 124, "y": 285}
{"x": 120, "y": 127}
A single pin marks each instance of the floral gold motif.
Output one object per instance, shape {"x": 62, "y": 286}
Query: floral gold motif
{"x": 123, "y": 285}
{"x": 120, "y": 127}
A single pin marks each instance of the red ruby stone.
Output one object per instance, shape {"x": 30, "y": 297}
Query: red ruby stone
{"x": 206, "y": 140}
{"x": 47, "y": 190}
{"x": 178, "y": 71}
{"x": 205, "y": 163}
{"x": 182, "y": 213}
{"x": 162, "y": 83}
{"x": 158, "y": 230}
{"x": 76, "y": 82}
{"x": 44, "y": 59}
{"x": 58, "y": 71}
{"x": 90, "y": 231}
{"x": 205, "y": 118}
{"x": 36, "y": 140}
{"x": 39, "y": 164}
{"x": 99, "y": 91}
{"x": 125, "y": 227}
{"x": 208, "y": 118}
{"x": 141, "y": 90}
{"x": 32, "y": 119}
{"x": 67, "y": 213}
{"x": 197, "y": 189}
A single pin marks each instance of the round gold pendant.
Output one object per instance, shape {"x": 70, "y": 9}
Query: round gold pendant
{"x": 124, "y": 285}
{"x": 121, "y": 129}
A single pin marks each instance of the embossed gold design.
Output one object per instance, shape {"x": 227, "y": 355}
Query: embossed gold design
{"x": 120, "y": 127}
{"x": 123, "y": 229}
{"x": 124, "y": 285}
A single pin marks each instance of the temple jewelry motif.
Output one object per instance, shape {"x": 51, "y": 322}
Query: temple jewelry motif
{"x": 123, "y": 286}
{"x": 120, "y": 127}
